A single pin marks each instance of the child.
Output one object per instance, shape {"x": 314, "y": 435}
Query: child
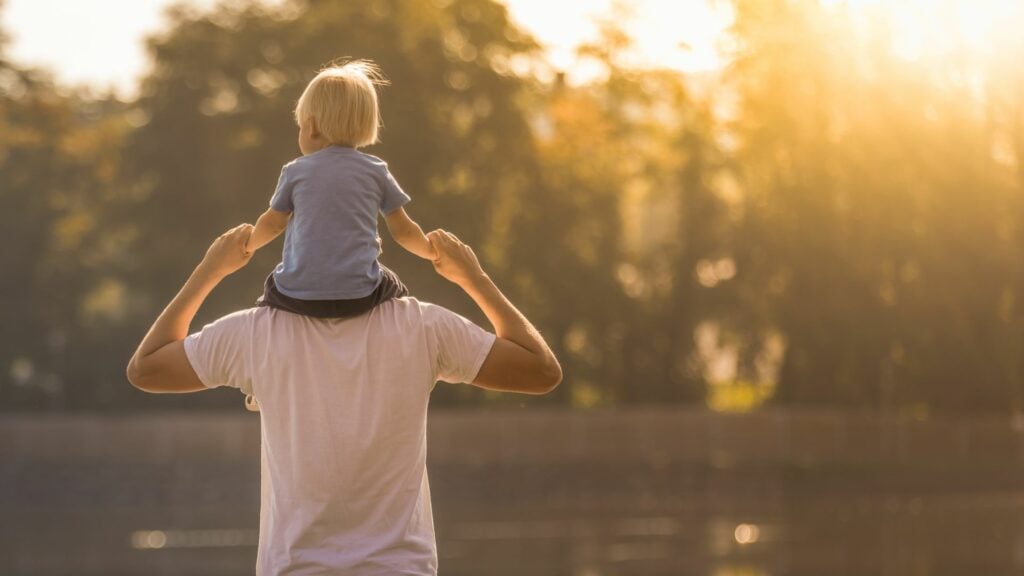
{"x": 328, "y": 200}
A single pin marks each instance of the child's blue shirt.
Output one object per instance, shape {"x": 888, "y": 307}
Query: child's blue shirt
{"x": 330, "y": 245}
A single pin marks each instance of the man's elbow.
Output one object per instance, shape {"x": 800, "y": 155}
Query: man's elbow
{"x": 137, "y": 375}
{"x": 549, "y": 376}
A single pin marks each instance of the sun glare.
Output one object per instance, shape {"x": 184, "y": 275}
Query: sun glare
{"x": 685, "y": 36}
{"x": 666, "y": 33}
{"x": 669, "y": 34}
{"x": 940, "y": 28}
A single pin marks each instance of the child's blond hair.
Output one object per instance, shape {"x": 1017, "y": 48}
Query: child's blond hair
{"x": 342, "y": 100}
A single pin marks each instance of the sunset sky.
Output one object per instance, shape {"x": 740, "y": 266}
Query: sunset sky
{"x": 108, "y": 50}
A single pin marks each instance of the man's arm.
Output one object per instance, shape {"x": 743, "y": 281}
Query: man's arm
{"x": 269, "y": 226}
{"x": 520, "y": 360}
{"x": 408, "y": 234}
{"x": 160, "y": 363}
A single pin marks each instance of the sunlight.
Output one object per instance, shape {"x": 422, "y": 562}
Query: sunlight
{"x": 109, "y": 53}
{"x": 666, "y": 34}
{"x": 929, "y": 28}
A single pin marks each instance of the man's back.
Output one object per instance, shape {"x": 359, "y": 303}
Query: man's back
{"x": 344, "y": 412}
{"x": 344, "y": 487}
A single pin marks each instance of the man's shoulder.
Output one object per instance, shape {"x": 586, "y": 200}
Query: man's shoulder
{"x": 414, "y": 305}
{"x": 398, "y": 311}
{"x": 231, "y": 324}
{"x": 430, "y": 316}
{"x": 407, "y": 307}
{"x": 409, "y": 314}
{"x": 245, "y": 315}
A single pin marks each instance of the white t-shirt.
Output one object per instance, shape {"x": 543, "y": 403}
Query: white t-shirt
{"x": 343, "y": 420}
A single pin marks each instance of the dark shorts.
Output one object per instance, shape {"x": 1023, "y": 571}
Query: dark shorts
{"x": 390, "y": 287}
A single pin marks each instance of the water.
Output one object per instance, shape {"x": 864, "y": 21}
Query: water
{"x": 646, "y": 492}
{"x": 185, "y": 518}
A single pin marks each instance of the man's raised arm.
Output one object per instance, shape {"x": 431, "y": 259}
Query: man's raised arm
{"x": 520, "y": 360}
{"x": 160, "y": 363}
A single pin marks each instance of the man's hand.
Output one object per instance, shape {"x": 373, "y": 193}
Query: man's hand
{"x": 520, "y": 360}
{"x": 455, "y": 261}
{"x": 227, "y": 253}
{"x": 160, "y": 364}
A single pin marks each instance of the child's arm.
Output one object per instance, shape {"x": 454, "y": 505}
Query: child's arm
{"x": 269, "y": 226}
{"x": 408, "y": 234}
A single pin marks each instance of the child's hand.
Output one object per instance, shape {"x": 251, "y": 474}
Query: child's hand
{"x": 250, "y": 245}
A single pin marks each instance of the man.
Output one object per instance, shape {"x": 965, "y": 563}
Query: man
{"x": 344, "y": 405}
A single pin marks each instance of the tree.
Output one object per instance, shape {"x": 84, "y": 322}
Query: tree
{"x": 871, "y": 236}
{"x": 219, "y": 102}
{"x": 60, "y": 185}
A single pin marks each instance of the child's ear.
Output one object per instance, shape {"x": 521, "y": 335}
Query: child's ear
{"x": 314, "y": 132}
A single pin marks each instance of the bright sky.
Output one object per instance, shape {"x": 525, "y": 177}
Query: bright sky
{"x": 99, "y": 42}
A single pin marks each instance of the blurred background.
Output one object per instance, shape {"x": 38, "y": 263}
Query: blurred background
{"x": 776, "y": 244}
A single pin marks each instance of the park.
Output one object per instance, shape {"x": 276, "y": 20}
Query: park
{"x": 771, "y": 278}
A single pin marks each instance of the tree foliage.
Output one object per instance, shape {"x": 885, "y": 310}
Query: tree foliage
{"x": 824, "y": 222}
{"x": 881, "y": 214}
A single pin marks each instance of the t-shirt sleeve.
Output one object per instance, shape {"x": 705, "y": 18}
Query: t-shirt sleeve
{"x": 392, "y": 197}
{"x": 458, "y": 346}
{"x": 219, "y": 353}
{"x": 282, "y": 199}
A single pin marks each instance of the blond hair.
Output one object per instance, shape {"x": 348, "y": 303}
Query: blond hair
{"x": 342, "y": 100}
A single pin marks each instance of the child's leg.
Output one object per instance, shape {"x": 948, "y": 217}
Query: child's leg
{"x": 272, "y": 296}
{"x": 390, "y": 286}
{"x": 275, "y": 299}
{"x": 251, "y": 404}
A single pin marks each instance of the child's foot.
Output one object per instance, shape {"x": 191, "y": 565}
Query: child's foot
{"x": 251, "y": 404}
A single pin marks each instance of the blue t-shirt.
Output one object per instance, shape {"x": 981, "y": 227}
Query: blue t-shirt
{"x": 330, "y": 245}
